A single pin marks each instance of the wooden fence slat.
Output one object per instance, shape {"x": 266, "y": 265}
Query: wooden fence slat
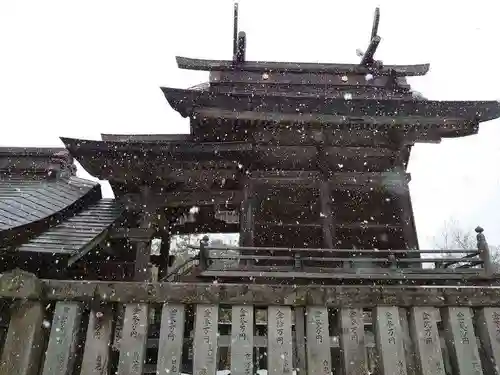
{"x": 120, "y": 315}
{"x": 319, "y": 359}
{"x": 389, "y": 339}
{"x": 22, "y": 350}
{"x": 461, "y": 341}
{"x": 488, "y": 327}
{"x": 279, "y": 345}
{"x": 300, "y": 339}
{"x": 133, "y": 340}
{"x": 408, "y": 346}
{"x": 242, "y": 340}
{"x": 205, "y": 339}
{"x": 96, "y": 353}
{"x": 352, "y": 341}
{"x": 424, "y": 331}
{"x": 60, "y": 354}
{"x": 171, "y": 339}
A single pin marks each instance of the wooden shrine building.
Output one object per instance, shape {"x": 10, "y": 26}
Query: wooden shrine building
{"x": 307, "y": 164}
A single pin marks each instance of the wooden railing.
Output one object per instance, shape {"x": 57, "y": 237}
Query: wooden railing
{"x": 67, "y": 327}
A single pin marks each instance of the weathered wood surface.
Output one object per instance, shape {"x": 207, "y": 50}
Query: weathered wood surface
{"x": 389, "y": 338}
{"x": 61, "y": 351}
{"x": 22, "y": 349}
{"x": 99, "y": 333}
{"x": 423, "y": 327}
{"x": 352, "y": 341}
{"x": 205, "y": 340}
{"x": 280, "y": 350}
{"x": 461, "y": 340}
{"x": 318, "y": 341}
{"x": 365, "y": 296}
{"x": 171, "y": 339}
{"x": 133, "y": 341}
{"x": 242, "y": 342}
{"x": 488, "y": 328}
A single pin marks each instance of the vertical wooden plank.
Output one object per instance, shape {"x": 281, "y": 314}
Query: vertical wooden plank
{"x": 133, "y": 340}
{"x": 424, "y": 331}
{"x": 461, "y": 341}
{"x": 408, "y": 347}
{"x": 279, "y": 344}
{"x": 60, "y": 354}
{"x": 488, "y": 327}
{"x": 318, "y": 341}
{"x": 120, "y": 316}
{"x": 389, "y": 338}
{"x": 205, "y": 340}
{"x": 171, "y": 339}
{"x": 22, "y": 350}
{"x": 96, "y": 353}
{"x": 300, "y": 339}
{"x": 352, "y": 341}
{"x": 242, "y": 340}
{"x": 327, "y": 216}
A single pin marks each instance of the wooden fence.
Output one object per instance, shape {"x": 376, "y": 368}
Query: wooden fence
{"x": 68, "y": 327}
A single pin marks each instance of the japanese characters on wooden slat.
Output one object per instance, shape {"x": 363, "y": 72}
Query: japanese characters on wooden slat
{"x": 352, "y": 341}
{"x": 242, "y": 340}
{"x": 96, "y": 354}
{"x": 461, "y": 340}
{"x": 133, "y": 341}
{"x": 488, "y": 327}
{"x": 279, "y": 352}
{"x": 318, "y": 341}
{"x": 205, "y": 340}
{"x": 389, "y": 338}
{"x": 171, "y": 339}
{"x": 60, "y": 355}
{"x": 425, "y": 335}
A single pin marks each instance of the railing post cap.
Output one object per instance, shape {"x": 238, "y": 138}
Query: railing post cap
{"x": 479, "y": 229}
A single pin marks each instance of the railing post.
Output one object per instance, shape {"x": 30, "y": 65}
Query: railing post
{"x": 484, "y": 251}
{"x": 204, "y": 256}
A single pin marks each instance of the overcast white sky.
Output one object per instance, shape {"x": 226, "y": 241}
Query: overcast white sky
{"x": 79, "y": 68}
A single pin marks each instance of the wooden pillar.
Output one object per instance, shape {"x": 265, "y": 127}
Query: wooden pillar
{"x": 143, "y": 245}
{"x": 247, "y": 215}
{"x": 327, "y": 216}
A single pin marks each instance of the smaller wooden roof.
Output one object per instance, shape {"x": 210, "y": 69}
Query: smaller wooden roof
{"x": 78, "y": 233}
{"x": 299, "y": 67}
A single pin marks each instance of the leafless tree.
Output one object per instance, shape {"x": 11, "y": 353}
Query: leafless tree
{"x": 452, "y": 236}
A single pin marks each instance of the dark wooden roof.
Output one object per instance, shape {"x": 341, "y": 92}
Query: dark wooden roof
{"x": 78, "y": 233}
{"x": 24, "y": 201}
{"x": 146, "y": 137}
{"x": 438, "y": 112}
{"x": 294, "y": 67}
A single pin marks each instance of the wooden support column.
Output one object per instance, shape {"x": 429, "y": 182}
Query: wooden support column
{"x": 327, "y": 216}
{"x": 247, "y": 215}
{"x": 403, "y": 199}
{"x": 143, "y": 247}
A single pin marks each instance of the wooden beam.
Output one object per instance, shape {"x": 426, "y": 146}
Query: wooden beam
{"x": 133, "y": 234}
{"x": 328, "y": 223}
{"x": 186, "y": 198}
{"x": 365, "y": 296}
